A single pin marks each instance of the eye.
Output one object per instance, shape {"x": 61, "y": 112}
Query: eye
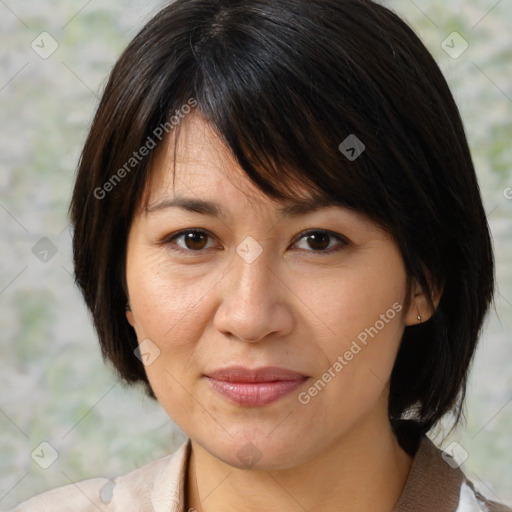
{"x": 193, "y": 240}
{"x": 196, "y": 240}
{"x": 320, "y": 241}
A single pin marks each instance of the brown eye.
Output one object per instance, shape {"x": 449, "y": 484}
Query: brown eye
{"x": 192, "y": 240}
{"x": 321, "y": 241}
{"x": 195, "y": 240}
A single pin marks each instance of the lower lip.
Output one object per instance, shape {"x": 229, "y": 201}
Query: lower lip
{"x": 255, "y": 393}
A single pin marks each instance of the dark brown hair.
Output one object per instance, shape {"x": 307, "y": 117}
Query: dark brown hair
{"x": 284, "y": 83}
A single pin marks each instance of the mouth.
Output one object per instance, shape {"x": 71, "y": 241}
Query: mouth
{"x": 254, "y": 387}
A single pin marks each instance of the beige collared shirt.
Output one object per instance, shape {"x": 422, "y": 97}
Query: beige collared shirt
{"x": 433, "y": 485}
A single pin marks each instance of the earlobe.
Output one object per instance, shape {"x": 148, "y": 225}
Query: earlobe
{"x": 420, "y": 309}
{"x": 129, "y": 315}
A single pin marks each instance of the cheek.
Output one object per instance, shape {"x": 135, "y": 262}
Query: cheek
{"x": 166, "y": 303}
{"x": 353, "y": 303}
{"x": 353, "y": 383}
{"x": 364, "y": 313}
{"x": 168, "y": 310}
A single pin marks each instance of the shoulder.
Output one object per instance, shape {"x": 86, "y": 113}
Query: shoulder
{"x": 133, "y": 491}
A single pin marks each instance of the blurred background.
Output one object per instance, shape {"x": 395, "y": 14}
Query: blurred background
{"x": 54, "y": 387}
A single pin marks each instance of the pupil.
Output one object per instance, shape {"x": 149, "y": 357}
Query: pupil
{"x": 192, "y": 238}
{"x": 320, "y": 237}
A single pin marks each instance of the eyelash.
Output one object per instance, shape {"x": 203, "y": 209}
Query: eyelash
{"x": 168, "y": 240}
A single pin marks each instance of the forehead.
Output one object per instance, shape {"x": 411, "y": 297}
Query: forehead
{"x": 194, "y": 160}
{"x": 196, "y": 172}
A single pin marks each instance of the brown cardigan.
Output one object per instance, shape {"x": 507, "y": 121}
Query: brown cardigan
{"x": 435, "y": 485}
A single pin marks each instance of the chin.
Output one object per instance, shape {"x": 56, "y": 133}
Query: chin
{"x": 258, "y": 451}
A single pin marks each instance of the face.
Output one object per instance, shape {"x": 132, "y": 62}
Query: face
{"x": 268, "y": 335}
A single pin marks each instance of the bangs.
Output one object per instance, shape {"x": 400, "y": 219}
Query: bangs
{"x": 281, "y": 121}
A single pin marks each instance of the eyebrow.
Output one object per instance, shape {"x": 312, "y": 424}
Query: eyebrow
{"x": 294, "y": 208}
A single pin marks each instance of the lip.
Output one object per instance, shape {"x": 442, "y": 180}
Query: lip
{"x": 254, "y": 387}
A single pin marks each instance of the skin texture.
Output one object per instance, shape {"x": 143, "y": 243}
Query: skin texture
{"x": 295, "y": 307}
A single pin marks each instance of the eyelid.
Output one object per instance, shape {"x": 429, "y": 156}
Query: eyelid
{"x": 168, "y": 239}
{"x": 341, "y": 238}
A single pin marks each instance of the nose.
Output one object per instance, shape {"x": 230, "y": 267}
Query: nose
{"x": 255, "y": 301}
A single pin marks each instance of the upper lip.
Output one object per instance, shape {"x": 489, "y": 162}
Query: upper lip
{"x": 263, "y": 374}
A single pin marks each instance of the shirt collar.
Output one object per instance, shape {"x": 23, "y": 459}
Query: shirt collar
{"x": 169, "y": 488}
{"x": 433, "y": 483}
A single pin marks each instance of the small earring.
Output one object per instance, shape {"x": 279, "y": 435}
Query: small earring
{"x": 419, "y": 319}
{"x": 127, "y": 307}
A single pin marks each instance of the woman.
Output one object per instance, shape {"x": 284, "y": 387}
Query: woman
{"x": 279, "y": 232}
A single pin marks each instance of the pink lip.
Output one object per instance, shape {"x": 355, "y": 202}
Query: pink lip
{"x": 254, "y": 387}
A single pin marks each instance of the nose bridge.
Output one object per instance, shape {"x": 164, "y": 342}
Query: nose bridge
{"x": 254, "y": 301}
{"x": 253, "y": 278}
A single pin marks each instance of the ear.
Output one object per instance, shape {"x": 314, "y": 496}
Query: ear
{"x": 420, "y": 309}
{"x": 129, "y": 316}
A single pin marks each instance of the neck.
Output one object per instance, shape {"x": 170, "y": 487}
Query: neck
{"x": 364, "y": 470}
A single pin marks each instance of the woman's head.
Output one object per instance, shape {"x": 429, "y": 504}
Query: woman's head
{"x": 255, "y": 104}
